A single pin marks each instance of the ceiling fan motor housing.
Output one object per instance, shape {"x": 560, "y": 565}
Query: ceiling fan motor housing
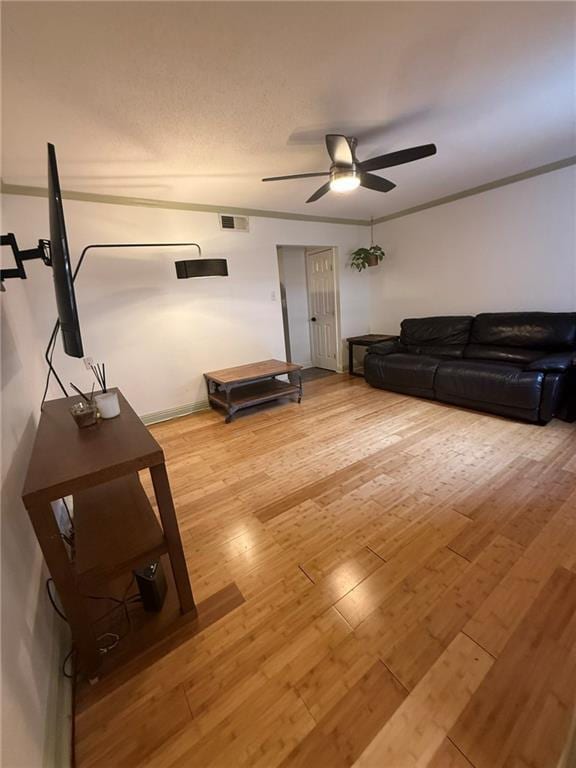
{"x": 344, "y": 178}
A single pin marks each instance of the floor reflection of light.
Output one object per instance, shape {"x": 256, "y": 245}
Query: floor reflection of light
{"x": 241, "y": 543}
{"x": 347, "y": 575}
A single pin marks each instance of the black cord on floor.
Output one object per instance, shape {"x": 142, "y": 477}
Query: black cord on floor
{"x": 123, "y": 604}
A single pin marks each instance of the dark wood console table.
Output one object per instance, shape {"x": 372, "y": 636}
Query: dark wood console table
{"x": 115, "y": 527}
{"x": 248, "y": 385}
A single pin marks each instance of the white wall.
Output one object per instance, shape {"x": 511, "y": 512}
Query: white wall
{"x": 512, "y": 248}
{"x": 293, "y": 260}
{"x": 158, "y": 334}
{"x": 33, "y": 640}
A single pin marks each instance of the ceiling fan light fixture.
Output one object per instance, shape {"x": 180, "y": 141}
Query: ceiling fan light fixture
{"x": 344, "y": 181}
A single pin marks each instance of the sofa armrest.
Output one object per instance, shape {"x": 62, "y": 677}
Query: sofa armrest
{"x": 555, "y": 363}
{"x": 385, "y": 347}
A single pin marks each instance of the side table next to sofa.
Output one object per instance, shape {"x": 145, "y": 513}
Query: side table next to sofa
{"x": 366, "y": 340}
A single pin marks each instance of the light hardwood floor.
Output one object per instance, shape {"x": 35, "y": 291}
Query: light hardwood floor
{"x": 408, "y": 572}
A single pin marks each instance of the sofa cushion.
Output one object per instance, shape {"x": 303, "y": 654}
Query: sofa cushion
{"x": 534, "y": 330}
{"x": 557, "y": 363}
{"x": 384, "y": 347}
{"x": 435, "y": 350}
{"x": 489, "y": 382}
{"x": 403, "y": 372}
{"x": 502, "y": 354}
{"x": 418, "y": 332}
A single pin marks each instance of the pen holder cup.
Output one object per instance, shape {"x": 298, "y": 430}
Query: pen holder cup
{"x": 108, "y": 404}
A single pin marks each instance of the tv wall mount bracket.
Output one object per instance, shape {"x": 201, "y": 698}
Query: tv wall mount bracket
{"x": 42, "y": 251}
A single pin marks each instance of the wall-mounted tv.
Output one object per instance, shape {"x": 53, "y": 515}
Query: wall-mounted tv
{"x": 61, "y": 268}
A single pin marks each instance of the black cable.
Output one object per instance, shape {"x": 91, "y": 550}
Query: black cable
{"x": 56, "y": 608}
{"x": 72, "y": 675}
{"x": 123, "y": 603}
{"x": 49, "y": 354}
{"x": 67, "y": 508}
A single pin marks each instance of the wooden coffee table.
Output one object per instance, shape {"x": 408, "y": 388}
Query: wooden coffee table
{"x": 247, "y": 385}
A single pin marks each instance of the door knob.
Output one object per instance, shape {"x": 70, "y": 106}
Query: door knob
{"x": 313, "y": 319}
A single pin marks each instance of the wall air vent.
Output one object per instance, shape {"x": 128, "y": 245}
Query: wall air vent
{"x": 237, "y": 223}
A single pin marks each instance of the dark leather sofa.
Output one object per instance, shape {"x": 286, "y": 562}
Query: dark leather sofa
{"x": 518, "y": 364}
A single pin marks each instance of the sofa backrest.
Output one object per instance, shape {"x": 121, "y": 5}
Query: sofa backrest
{"x": 446, "y": 336}
{"x": 515, "y": 337}
{"x": 521, "y": 337}
{"x": 555, "y": 331}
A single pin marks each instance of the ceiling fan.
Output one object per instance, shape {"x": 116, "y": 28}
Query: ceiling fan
{"x": 347, "y": 173}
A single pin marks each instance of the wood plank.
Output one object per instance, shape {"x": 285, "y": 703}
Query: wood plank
{"x": 149, "y": 726}
{"x": 345, "y": 731}
{"x": 408, "y": 603}
{"x": 360, "y": 602}
{"x": 417, "y": 729}
{"x": 414, "y": 653}
{"x": 497, "y": 618}
{"x": 523, "y": 709}
{"x": 449, "y": 756}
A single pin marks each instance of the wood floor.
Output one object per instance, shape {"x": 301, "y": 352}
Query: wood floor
{"x": 394, "y": 585}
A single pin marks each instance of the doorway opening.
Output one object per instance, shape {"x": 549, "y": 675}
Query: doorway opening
{"x": 310, "y": 305}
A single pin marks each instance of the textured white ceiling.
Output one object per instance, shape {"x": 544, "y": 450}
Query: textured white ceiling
{"x": 197, "y": 101}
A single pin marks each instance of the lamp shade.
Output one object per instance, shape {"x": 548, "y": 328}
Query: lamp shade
{"x": 201, "y": 268}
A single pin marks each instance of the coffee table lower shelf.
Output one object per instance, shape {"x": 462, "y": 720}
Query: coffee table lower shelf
{"x": 247, "y": 395}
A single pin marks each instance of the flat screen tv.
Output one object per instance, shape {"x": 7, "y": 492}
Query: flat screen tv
{"x": 61, "y": 268}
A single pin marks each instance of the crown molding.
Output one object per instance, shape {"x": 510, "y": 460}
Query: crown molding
{"x": 93, "y": 197}
{"x": 541, "y": 169}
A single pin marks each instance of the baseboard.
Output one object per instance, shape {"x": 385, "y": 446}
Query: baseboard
{"x": 175, "y": 413}
{"x": 59, "y": 714}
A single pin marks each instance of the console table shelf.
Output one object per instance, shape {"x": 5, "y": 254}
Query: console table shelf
{"x": 115, "y": 526}
{"x": 115, "y": 530}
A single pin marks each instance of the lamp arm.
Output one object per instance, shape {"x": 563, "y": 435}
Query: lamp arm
{"x": 131, "y": 245}
{"x": 50, "y": 348}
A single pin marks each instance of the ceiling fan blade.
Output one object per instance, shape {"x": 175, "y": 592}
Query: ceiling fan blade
{"x": 319, "y": 193}
{"x": 377, "y": 183}
{"x": 339, "y": 149}
{"x": 398, "y": 158}
{"x": 296, "y": 176}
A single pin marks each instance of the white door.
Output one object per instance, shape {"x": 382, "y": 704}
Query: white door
{"x": 322, "y": 307}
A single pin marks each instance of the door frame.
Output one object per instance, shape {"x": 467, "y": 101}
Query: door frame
{"x": 311, "y": 250}
{"x": 340, "y": 350}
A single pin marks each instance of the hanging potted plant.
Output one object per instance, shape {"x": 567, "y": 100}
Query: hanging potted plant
{"x": 367, "y": 257}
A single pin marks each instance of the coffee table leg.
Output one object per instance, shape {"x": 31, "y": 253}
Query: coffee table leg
{"x": 299, "y": 386}
{"x": 229, "y": 409}
{"x": 351, "y": 358}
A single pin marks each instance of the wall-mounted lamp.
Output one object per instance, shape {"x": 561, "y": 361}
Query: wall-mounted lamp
{"x": 184, "y": 268}
{"x": 201, "y": 268}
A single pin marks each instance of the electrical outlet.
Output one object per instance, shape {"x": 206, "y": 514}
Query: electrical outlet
{"x": 88, "y": 362}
